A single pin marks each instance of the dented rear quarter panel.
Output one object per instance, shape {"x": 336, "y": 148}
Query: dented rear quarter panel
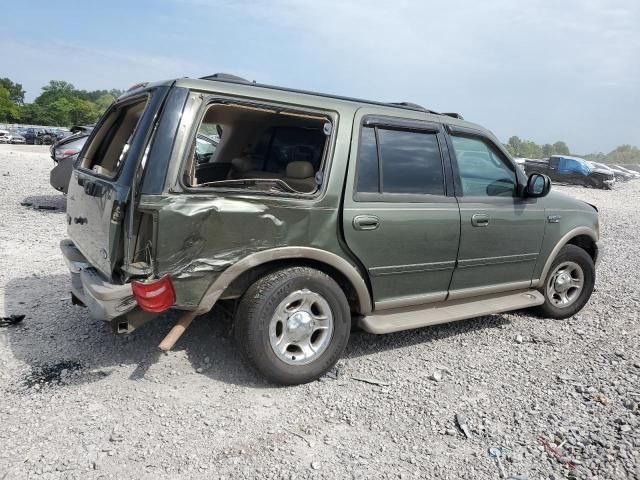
{"x": 199, "y": 236}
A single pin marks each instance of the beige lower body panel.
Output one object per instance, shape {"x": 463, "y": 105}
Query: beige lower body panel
{"x": 395, "y": 320}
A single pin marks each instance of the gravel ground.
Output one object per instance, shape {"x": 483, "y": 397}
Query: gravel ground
{"x": 80, "y": 402}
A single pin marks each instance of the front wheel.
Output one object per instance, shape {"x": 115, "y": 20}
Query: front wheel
{"x": 569, "y": 283}
{"x": 292, "y": 325}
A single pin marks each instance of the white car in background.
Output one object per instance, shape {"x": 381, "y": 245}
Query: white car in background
{"x": 633, "y": 173}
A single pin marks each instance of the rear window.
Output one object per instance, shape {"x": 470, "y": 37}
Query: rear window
{"x": 108, "y": 149}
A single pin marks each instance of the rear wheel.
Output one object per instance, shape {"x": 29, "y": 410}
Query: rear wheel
{"x": 292, "y": 325}
{"x": 569, "y": 283}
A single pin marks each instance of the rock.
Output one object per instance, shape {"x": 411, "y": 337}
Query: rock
{"x": 315, "y": 465}
{"x": 519, "y": 339}
{"x": 436, "y": 376}
{"x": 625, "y": 428}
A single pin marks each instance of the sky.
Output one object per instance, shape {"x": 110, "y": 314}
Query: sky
{"x": 544, "y": 70}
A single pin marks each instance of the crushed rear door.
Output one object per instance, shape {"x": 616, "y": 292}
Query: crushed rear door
{"x": 101, "y": 185}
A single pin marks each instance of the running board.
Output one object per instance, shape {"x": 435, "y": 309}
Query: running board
{"x": 398, "y": 319}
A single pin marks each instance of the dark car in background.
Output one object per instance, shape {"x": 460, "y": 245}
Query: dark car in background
{"x": 39, "y": 136}
{"x": 64, "y": 154}
{"x": 571, "y": 170}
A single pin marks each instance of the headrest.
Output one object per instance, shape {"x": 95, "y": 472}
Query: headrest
{"x": 300, "y": 169}
{"x": 244, "y": 164}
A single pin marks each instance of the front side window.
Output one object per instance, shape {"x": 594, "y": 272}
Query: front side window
{"x": 399, "y": 161}
{"x": 482, "y": 170}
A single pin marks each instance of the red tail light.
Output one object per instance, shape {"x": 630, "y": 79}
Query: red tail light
{"x": 155, "y": 296}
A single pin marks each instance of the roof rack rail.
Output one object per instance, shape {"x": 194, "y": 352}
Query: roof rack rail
{"x": 411, "y": 105}
{"x": 227, "y": 77}
{"x": 453, "y": 115}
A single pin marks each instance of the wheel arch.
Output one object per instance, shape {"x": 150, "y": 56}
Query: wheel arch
{"x": 582, "y": 237}
{"x": 235, "y": 280}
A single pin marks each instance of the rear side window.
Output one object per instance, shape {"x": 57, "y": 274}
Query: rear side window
{"x": 399, "y": 161}
{"x": 108, "y": 149}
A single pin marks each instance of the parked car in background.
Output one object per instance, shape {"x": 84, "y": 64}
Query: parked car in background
{"x": 571, "y": 170}
{"x": 64, "y": 154}
{"x": 39, "y": 136}
{"x": 631, "y": 173}
{"x": 314, "y": 211}
{"x": 4, "y": 136}
{"x": 621, "y": 175}
{"x": 15, "y": 138}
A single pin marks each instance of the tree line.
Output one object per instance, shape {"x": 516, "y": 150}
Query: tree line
{"x": 60, "y": 104}
{"x": 623, "y": 154}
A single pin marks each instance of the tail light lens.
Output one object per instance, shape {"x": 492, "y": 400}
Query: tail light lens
{"x": 155, "y": 296}
{"x": 66, "y": 153}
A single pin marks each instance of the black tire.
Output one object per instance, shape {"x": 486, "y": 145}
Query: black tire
{"x": 257, "y": 307}
{"x": 569, "y": 253}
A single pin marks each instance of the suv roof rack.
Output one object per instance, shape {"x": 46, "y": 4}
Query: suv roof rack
{"x": 228, "y": 77}
{"x": 411, "y": 105}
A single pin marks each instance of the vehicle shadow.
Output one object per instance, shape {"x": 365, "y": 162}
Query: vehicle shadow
{"x": 53, "y": 203}
{"x": 57, "y": 333}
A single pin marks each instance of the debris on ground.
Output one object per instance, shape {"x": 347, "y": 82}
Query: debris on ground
{"x": 371, "y": 381}
{"x": 50, "y": 375}
{"x": 461, "y": 421}
{"x": 11, "y": 320}
{"x": 496, "y": 453}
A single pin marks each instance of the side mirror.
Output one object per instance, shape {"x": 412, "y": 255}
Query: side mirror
{"x": 538, "y": 185}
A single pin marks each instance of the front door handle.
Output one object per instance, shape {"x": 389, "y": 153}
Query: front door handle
{"x": 366, "y": 222}
{"x": 480, "y": 220}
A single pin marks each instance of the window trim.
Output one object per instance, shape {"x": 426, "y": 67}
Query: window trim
{"x": 458, "y": 131}
{"x": 405, "y": 125}
{"x": 325, "y": 164}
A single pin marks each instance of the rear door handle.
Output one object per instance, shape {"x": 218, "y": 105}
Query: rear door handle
{"x": 366, "y": 222}
{"x": 480, "y": 220}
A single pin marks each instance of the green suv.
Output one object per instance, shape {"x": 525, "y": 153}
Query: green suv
{"x": 309, "y": 213}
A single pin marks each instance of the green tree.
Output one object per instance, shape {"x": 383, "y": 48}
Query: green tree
{"x": 16, "y": 92}
{"x": 9, "y": 110}
{"x": 561, "y": 148}
{"x": 516, "y": 146}
{"x": 547, "y": 150}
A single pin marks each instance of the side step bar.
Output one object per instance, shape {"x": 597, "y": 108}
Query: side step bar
{"x": 395, "y": 320}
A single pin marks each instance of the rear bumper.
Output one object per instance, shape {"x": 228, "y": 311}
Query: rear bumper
{"x": 105, "y": 300}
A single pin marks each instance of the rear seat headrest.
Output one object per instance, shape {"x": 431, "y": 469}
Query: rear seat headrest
{"x": 244, "y": 164}
{"x": 300, "y": 169}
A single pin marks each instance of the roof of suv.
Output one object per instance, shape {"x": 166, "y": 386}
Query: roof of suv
{"x": 233, "y": 85}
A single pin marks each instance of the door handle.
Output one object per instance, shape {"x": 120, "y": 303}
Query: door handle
{"x": 366, "y": 222}
{"x": 480, "y": 220}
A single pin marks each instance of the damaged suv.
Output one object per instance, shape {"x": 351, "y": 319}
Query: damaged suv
{"x": 306, "y": 212}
